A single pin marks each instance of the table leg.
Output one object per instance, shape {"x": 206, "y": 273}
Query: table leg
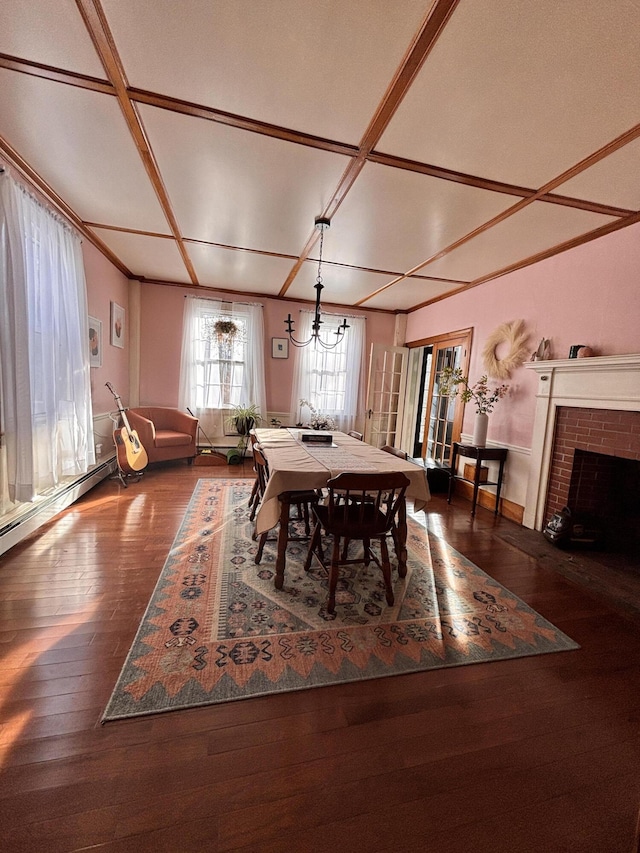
{"x": 283, "y": 538}
{"x": 499, "y": 486}
{"x": 402, "y": 538}
{"x": 476, "y": 485}
{"x": 452, "y": 474}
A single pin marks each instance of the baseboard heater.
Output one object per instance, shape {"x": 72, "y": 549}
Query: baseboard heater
{"x": 34, "y": 516}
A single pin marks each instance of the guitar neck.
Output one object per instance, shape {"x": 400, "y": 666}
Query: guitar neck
{"x": 125, "y": 421}
{"x": 121, "y": 408}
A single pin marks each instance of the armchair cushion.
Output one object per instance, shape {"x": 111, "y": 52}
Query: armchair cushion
{"x": 165, "y": 433}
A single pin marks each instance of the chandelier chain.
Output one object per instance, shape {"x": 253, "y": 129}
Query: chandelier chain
{"x": 319, "y": 276}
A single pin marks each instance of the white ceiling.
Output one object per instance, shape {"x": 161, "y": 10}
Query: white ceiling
{"x": 448, "y": 141}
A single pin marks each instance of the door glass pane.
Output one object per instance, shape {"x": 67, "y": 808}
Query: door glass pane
{"x": 441, "y": 409}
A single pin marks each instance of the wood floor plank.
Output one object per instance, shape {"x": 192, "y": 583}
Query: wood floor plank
{"x": 537, "y": 753}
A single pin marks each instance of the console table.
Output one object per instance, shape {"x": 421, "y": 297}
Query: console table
{"x": 480, "y": 454}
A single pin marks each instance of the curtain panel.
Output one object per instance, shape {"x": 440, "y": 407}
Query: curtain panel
{"x": 46, "y": 412}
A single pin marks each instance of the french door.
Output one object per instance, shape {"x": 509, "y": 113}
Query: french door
{"x": 439, "y": 417}
{"x": 405, "y": 407}
{"x": 386, "y": 394}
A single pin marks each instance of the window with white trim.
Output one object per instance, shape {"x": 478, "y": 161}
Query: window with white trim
{"x": 220, "y": 355}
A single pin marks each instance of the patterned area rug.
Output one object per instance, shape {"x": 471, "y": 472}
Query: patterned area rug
{"x": 216, "y": 629}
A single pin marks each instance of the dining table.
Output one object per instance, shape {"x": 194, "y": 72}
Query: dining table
{"x": 305, "y": 460}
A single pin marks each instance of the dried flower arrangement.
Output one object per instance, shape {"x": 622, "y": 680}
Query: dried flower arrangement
{"x": 483, "y": 398}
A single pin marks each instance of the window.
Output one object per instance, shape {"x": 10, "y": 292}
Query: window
{"x": 222, "y": 360}
{"x": 330, "y": 378}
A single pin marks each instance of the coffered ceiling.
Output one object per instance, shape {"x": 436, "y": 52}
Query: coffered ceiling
{"x": 449, "y": 142}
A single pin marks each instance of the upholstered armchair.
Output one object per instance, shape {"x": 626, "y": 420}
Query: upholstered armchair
{"x": 165, "y": 433}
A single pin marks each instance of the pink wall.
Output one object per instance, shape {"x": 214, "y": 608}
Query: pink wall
{"x": 161, "y": 341}
{"x": 104, "y": 284}
{"x": 588, "y": 295}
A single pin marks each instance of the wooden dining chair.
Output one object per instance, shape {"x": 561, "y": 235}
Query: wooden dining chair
{"x": 303, "y": 501}
{"x": 355, "y": 434}
{"x": 358, "y": 507}
{"x": 256, "y": 494}
{"x": 401, "y": 454}
{"x": 262, "y": 475}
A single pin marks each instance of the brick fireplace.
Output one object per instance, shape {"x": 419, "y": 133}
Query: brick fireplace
{"x": 586, "y": 443}
{"x": 585, "y": 406}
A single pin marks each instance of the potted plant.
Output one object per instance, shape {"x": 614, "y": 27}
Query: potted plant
{"x": 244, "y": 418}
{"x": 225, "y": 329}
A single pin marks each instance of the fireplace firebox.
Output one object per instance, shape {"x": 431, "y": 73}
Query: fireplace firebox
{"x": 602, "y": 508}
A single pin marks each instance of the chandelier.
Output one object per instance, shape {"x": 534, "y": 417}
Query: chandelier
{"x": 321, "y": 224}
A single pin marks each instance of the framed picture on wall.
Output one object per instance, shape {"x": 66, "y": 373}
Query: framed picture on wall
{"x": 95, "y": 342}
{"x": 279, "y": 347}
{"x": 117, "y": 325}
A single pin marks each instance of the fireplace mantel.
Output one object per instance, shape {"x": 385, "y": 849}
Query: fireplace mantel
{"x": 602, "y": 382}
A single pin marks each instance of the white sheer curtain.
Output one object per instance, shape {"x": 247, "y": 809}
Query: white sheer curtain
{"x": 200, "y": 369}
{"x": 331, "y": 380}
{"x": 45, "y": 412}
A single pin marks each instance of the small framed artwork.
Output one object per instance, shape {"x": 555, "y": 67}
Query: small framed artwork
{"x": 117, "y": 325}
{"x": 279, "y": 347}
{"x": 95, "y": 342}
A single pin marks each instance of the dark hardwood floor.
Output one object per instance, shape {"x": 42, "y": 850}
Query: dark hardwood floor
{"x": 536, "y": 754}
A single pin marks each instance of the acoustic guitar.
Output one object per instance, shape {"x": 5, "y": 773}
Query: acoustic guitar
{"x": 132, "y": 457}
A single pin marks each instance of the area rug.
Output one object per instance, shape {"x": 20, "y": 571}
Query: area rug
{"x": 216, "y": 629}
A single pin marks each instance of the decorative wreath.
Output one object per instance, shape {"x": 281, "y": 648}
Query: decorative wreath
{"x": 513, "y": 334}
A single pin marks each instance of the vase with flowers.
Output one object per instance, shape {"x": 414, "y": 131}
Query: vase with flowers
{"x": 453, "y": 382}
{"x": 317, "y": 419}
